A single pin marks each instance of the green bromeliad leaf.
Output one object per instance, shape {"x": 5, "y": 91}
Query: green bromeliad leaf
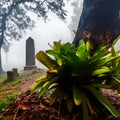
{"x": 39, "y": 83}
{"x": 57, "y": 56}
{"x": 75, "y": 64}
{"x": 67, "y": 48}
{"x": 81, "y": 52}
{"x": 116, "y": 40}
{"x": 103, "y": 100}
{"x": 108, "y": 59}
{"x": 101, "y": 49}
{"x": 88, "y": 46}
{"x": 53, "y": 96}
{"x": 77, "y": 96}
{"x": 99, "y": 85}
{"x": 99, "y": 54}
{"x": 47, "y": 84}
{"x": 46, "y": 60}
{"x": 116, "y": 79}
{"x": 68, "y": 65}
{"x": 101, "y": 71}
{"x": 56, "y": 47}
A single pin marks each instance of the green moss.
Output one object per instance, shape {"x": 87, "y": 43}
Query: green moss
{"x": 7, "y": 101}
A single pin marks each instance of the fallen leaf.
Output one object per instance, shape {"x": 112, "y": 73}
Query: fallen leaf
{"x": 42, "y": 105}
{"x": 22, "y": 107}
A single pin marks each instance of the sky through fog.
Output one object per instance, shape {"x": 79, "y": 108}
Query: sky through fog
{"x": 43, "y": 33}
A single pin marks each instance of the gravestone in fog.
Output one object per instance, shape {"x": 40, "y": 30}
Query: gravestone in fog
{"x": 30, "y": 54}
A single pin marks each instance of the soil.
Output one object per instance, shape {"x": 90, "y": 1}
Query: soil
{"x": 26, "y": 80}
{"x": 28, "y": 106}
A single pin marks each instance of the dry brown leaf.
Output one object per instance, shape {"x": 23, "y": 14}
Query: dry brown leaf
{"x": 42, "y": 105}
{"x": 22, "y": 107}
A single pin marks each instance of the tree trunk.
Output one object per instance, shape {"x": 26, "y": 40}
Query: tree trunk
{"x": 1, "y": 70}
{"x": 99, "y": 22}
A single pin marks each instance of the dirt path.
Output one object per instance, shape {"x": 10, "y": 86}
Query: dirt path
{"x": 29, "y": 81}
{"x": 23, "y": 84}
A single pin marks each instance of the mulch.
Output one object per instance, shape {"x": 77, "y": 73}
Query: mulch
{"x": 29, "y": 106}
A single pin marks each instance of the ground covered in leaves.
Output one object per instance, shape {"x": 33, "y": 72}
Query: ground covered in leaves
{"x": 28, "y": 106}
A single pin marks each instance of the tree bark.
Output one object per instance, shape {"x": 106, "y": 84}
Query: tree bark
{"x": 99, "y": 22}
{"x": 1, "y": 70}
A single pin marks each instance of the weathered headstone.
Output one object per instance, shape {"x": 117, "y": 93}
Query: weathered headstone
{"x": 11, "y": 75}
{"x": 15, "y": 71}
{"x": 30, "y": 54}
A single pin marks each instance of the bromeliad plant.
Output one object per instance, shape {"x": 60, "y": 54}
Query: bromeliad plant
{"x": 76, "y": 76}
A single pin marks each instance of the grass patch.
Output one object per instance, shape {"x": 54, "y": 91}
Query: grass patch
{"x": 7, "y": 101}
{"x": 3, "y": 77}
{"x": 9, "y": 90}
{"x": 12, "y": 83}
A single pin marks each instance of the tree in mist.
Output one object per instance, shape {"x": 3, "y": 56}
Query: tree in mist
{"x": 99, "y": 22}
{"x": 14, "y": 19}
{"x": 77, "y": 9}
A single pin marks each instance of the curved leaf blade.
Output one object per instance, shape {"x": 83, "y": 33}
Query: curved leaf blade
{"x": 46, "y": 60}
{"x": 101, "y": 71}
{"x": 103, "y": 100}
{"x": 81, "y": 52}
{"x": 39, "y": 83}
{"x": 116, "y": 79}
{"x": 57, "y": 56}
{"x": 77, "y": 96}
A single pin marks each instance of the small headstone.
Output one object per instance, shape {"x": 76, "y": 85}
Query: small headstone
{"x": 10, "y": 76}
{"x": 15, "y": 71}
{"x": 30, "y": 54}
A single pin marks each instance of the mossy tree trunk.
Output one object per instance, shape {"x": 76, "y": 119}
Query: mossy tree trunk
{"x": 99, "y": 22}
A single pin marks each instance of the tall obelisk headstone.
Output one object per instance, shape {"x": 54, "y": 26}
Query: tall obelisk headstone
{"x": 30, "y": 54}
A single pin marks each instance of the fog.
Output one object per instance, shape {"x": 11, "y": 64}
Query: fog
{"x": 43, "y": 33}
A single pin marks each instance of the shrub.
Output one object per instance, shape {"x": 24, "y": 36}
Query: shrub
{"x": 75, "y": 75}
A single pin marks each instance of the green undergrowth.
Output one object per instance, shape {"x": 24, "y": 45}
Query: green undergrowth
{"x": 3, "y": 77}
{"x": 8, "y": 94}
{"x": 7, "y": 101}
{"x": 76, "y": 75}
{"x": 8, "y": 84}
{"x": 10, "y": 90}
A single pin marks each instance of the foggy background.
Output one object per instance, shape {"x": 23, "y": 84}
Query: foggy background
{"x": 43, "y": 33}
